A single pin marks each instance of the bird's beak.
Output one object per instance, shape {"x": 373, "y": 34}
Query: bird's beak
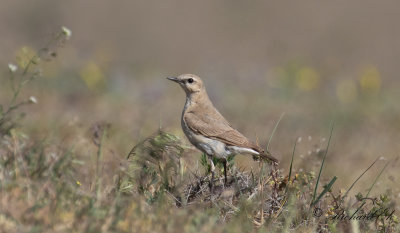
{"x": 175, "y": 79}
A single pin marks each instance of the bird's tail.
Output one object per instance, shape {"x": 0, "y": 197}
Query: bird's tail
{"x": 266, "y": 156}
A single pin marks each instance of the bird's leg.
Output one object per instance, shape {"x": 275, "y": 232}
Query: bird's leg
{"x": 226, "y": 179}
{"x": 212, "y": 174}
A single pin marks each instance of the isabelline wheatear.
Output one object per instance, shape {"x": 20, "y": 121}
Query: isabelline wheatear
{"x": 208, "y": 130}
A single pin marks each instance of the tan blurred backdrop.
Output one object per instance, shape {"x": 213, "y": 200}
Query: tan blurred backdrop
{"x": 315, "y": 61}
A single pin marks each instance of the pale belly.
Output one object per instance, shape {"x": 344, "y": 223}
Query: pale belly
{"x": 213, "y": 147}
{"x": 209, "y": 146}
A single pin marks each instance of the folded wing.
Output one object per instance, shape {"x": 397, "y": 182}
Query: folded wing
{"x": 217, "y": 127}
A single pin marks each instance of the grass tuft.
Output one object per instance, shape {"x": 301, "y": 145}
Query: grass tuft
{"x": 322, "y": 166}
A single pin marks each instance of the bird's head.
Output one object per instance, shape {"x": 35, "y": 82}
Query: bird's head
{"x": 189, "y": 82}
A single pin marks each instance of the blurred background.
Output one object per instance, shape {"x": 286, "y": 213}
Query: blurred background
{"x": 315, "y": 61}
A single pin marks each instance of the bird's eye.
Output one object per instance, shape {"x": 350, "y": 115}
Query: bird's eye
{"x": 190, "y": 80}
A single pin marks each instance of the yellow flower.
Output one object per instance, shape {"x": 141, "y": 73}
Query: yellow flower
{"x": 25, "y": 55}
{"x": 93, "y": 76}
{"x": 78, "y": 183}
{"x": 123, "y": 225}
{"x": 370, "y": 80}
{"x": 307, "y": 79}
{"x": 67, "y": 216}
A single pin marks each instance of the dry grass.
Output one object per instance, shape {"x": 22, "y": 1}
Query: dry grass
{"x": 72, "y": 179}
{"x": 155, "y": 191}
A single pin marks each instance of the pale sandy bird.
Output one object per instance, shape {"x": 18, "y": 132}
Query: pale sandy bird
{"x": 208, "y": 130}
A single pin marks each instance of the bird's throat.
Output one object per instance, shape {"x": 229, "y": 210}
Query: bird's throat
{"x": 199, "y": 98}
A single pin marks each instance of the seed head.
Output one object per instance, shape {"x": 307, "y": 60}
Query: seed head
{"x": 13, "y": 68}
{"x": 66, "y": 32}
{"x": 33, "y": 100}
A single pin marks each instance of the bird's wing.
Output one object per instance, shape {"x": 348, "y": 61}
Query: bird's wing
{"x": 216, "y": 127}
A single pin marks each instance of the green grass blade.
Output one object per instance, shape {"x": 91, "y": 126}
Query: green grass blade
{"x": 269, "y": 141}
{"x": 273, "y": 131}
{"x": 347, "y": 192}
{"x": 322, "y": 164}
{"x": 326, "y": 189}
{"x": 380, "y": 173}
{"x": 262, "y": 165}
{"x": 291, "y": 161}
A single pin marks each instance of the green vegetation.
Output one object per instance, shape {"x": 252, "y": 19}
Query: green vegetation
{"x": 70, "y": 184}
